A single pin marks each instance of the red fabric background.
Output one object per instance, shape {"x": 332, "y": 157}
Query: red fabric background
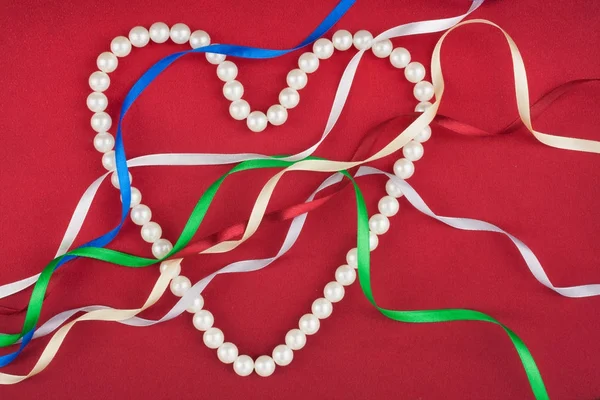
{"x": 544, "y": 196}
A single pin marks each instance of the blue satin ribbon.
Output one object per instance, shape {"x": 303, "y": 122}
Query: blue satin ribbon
{"x": 149, "y": 76}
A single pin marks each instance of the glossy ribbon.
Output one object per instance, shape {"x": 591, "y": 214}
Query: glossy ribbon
{"x": 537, "y": 109}
{"x": 99, "y": 315}
{"x": 423, "y": 316}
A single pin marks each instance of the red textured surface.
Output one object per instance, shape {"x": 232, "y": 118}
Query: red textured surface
{"x": 544, "y": 196}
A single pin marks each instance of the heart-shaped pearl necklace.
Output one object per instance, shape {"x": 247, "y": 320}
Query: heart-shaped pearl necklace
{"x": 257, "y": 121}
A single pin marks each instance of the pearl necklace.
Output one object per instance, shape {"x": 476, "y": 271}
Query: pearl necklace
{"x": 257, "y": 121}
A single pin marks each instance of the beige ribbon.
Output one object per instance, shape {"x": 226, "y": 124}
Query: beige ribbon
{"x": 258, "y": 211}
{"x": 111, "y": 315}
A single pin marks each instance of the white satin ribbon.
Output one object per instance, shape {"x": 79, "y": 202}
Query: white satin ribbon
{"x": 292, "y": 235}
{"x": 76, "y": 222}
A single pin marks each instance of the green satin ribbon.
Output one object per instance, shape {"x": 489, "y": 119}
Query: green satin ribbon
{"x": 194, "y": 222}
{"x": 440, "y": 315}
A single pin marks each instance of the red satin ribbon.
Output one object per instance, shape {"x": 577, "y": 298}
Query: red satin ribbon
{"x": 364, "y": 149}
{"x": 536, "y": 110}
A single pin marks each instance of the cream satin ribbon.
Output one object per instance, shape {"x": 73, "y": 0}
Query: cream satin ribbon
{"x": 80, "y": 213}
{"x": 99, "y": 315}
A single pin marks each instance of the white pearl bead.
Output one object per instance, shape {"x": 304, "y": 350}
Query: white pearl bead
{"x": 289, "y": 98}
{"x": 161, "y": 248}
{"x": 233, "y": 90}
{"x": 199, "y": 39}
{"x": 422, "y": 106}
{"x": 323, "y": 48}
{"x": 342, "y": 40}
{"x": 404, "y": 168}
{"x": 99, "y": 81}
{"x": 295, "y": 339}
{"x": 283, "y": 355}
{"x": 264, "y": 366}
{"x": 136, "y": 197}
{"x": 108, "y": 160}
{"x": 171, "y": 268}
{"x": 96, "y": 102}
{"x": 159, "y": 32}
{"x": 363, "y": 40}
{"x": 215, "y": 58}
{"x": 227, "y": 71}
{"x": 423, "y": 91}
{"x": 414, "y": 72}
{"x": 180, "y": 33}
{"x": 239, "y": 109}
{"x": 179, "y": 285}
{"x": 321, "y": 308}
{"x": 196, "y": 305}
{"x": 104, "y": 142}
{"x": 114, "y": 179}
{"x": 373, "y": 241}
{"x": 383, "y": 48}
{"x": 227, "y": 353}
{"x": 243, "y": 365}
{"x": 309, "y": 324}
{"x": 424, "y": 135}
{"x": 413, "y": 151}
{"x": 352, "y": 257}
{"x": 277, "y": 115}
{"x": 297, "y": 79}
{"x": 345, "y": 275}
{"x": 257, "y": 121}
{"x": 334, "y": 292}
{"x": 107, "y": 62}
{"x": 393, "y": 189}
{"x": 151, "y": 232}
{"x": 308, "y": 62}
{"x": 400, "y": 57}
{"x": 379, "y": 224}
{"x": 101, "y": 122}
{"x": 388, "y": 206}
{"x": 141, "y": 214}
{"x": 203, "y": 320}
{"x": 213, "y": 338}
{"x": 139, "y": 36}
{"x": 120, "y": 46}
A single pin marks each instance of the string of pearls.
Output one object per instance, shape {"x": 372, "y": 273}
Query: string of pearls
{"x": 239, "y": 109}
